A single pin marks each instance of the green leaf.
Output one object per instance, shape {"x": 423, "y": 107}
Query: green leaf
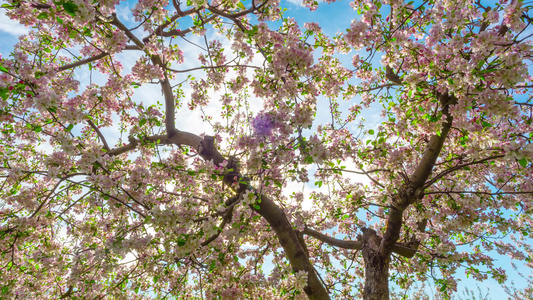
{"x": 318, "y": 183}
{"x": 142, "y": 122}
{"x": 3, "y": 93}
{"x": 70, "y": 8}
{"x": 371, "y": 131}
{"x": 487, "y": 71}
{"x": 69, "y": 127}
{"x": 443, "y": 288}
{"x": 42, "y": 15}
{"x": 486, "y": 124}
{"x": 3, "y": 69}
{"x": 87, "y": 32}
{"x": 148, "y": 219}
{"x": 8, "y": 6}
{"x": 523, "y": 162}
{"x": 212, "y": 266}
{"x": 60, "y": 21}
{"x": 256, "y": 206}
{"x": 182, "y": 241}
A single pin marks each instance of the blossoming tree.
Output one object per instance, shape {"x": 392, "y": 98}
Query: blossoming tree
{"x": 104, "y": 196}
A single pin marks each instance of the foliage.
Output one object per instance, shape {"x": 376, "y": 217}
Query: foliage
{"x": 104, "y": 194}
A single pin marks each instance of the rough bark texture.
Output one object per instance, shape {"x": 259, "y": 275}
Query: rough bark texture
{"x": 376, "y": 268}
{"x": 294, "y": 250}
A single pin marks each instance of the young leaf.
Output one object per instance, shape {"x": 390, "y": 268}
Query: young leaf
{"x": 70, "y": 8}
{"x": 523, "y": 162}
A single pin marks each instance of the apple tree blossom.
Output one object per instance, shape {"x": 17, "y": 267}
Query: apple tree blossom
{"x": 151, "y": 149}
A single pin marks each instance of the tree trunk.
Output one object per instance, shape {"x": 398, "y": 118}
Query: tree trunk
{"x": 376, "y": 268}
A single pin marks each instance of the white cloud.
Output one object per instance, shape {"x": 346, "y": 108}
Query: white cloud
{"x": 296, "y": 2}
{"x": 12, "y": 27}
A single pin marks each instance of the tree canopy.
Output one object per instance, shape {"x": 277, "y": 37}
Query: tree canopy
{"x": 178, "y": 150}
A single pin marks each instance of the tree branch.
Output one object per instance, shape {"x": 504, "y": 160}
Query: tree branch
{"x": 166, "y": 88}
{"x": 177, "y": 32}
{"x": 357, "y": 245}
{"x": 210, "y": 67}
{"x": 355, "y": 172}
{"x": 106, "y": 147}
{"x": 227, "y": 217}
{"x": 400, "y": 249}
{"x": 453, "y": 169}
{"x": 390, "y": 75}
{"x": 83, "y": 62}
{"x": 413, "y": 190}
{"x": 481, "y": 193}
{"x": 426, "y": 164}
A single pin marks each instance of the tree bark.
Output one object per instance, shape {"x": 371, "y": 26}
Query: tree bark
{"x": 376, "y": 267}
{"x": 377, "y": 251}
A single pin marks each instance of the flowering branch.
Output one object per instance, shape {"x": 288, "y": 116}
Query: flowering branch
{"x": 100, "y": 135}
{"x": 83, "y": 62}
{"x": 453, "y": 169}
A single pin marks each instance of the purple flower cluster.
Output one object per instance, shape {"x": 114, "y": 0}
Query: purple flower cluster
{"x": 263, "y": 124}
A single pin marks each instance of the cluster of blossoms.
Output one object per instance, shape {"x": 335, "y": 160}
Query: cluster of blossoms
{"x": 304, "y": 114}
{"x": 249, "y": 197}
{"x": 113, "y": 43}
{"x": 240, "y": 46}
{"x": 154, "y": 8}
{"x": 513, "y": 14}
{"x": 173, "y": 54}
{"x": 199, "y": 96}
{"x": 57, "y": 163}
{"x": 144, "y": 71}
{"x": 263, "y": 124}
{"x": 45, "y": 100}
